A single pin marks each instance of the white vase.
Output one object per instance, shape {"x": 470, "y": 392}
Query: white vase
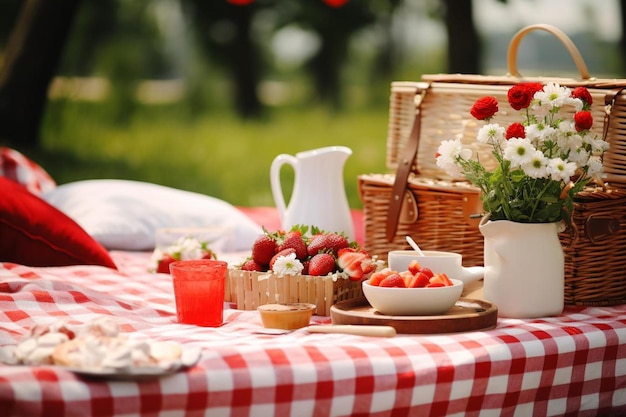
{"x": 524, "y": 268}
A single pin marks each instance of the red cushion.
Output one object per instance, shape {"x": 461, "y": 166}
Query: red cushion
{"x": 22, "y": 170}
{"x": 34, "y": 233}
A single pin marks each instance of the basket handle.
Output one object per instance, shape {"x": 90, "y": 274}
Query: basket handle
{"x": 402, "y": 176}
{"x": 560, "y": 35}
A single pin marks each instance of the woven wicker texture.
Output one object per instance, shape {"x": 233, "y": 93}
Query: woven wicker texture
{"x": 595, "y": 256}
{"x": 445, "y": 115}
{"x": 436, "y": 214}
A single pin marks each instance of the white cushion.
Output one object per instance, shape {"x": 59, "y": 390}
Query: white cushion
{"x": 124, "y": 214}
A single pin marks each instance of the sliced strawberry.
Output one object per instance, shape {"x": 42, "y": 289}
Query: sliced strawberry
{"x": 442, "y": 279}
{"x": 164, "y": 264}
{"x": 427, "y": 271}
{"x": 393, "y": 280}
{"x": 406, "y": 276}
{"x": 414, "y": 266}
{"x": 322, "y": 264}
{"x": 355, "y": 263}
{"x": 418, "y": 280}
{"x": 378, "y": 276}
{"x": 435, "y": 284}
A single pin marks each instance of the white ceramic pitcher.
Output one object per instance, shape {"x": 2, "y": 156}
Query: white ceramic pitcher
{"x": 524, "y": 268}
{"x": 319, "y": 195}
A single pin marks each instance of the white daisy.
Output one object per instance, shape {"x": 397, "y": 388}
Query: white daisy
{"x": 575, "y": 102}
{"x": 595, "y": 169}
{"x": 569, "y": 142}
{"x": 567, "y": 127}
{"x": 538, "y": 133}
{"x": 553, "y": 95}
{"x": 449, "y": 152}
{"x": 561, "y": 170}
{"x": 288, "y": 265}
{"x": 579, "y": 156}
{"x": 188, "y": 247}
{"x": 537, "y": 167}
{"x": 518, "y": 151}
{"x": 491, "y": 134}
{"x": 597, "y": 145}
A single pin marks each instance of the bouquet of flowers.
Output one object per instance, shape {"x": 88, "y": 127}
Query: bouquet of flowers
{"x": 542, "y": 161}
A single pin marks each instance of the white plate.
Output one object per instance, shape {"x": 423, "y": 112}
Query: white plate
{"x": 190, "y": 358}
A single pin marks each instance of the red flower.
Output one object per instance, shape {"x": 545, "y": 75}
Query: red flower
{"x": 484, "y": 108}
{"x": 520, "y": 95}
{"x": 516, "y": 130}
{"x": 583, "y": 94}
{"x": 583, "y": 120}
{"x": 335, "y": 3}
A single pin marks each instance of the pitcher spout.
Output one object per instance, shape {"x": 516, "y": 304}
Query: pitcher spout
{"x": 472, "y": 273}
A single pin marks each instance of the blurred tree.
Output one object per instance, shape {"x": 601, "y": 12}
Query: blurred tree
{"x": 335, "y": 23}
{"x": 387, "y": 57}
{"x": 95, "y": 23}
{"x": 31, "y": 59}
{"x": 9, "y": 10}
{"x": 464, "y": 49}
{"x": 225, "y": 32}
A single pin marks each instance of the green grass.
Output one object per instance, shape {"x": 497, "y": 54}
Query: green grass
{"x": 216, "y": 154}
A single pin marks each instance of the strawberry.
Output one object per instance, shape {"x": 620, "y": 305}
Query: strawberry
{"x": 305, "y": 267}
{"x": 251, "y": 265}
{"x": 263, "y": 249}
{"x": 322, "y": 264}
{"x": 406, "y": 276}
{"x": 284, "y": 252}
{"x": 427, "y": 271}
{"x": 378, "y": 276}
{"x": 441, "y": 279}
{"x": 209, "y": 254}
{"x": 327, "y": 242}
{"x": 355, "y": 263}
{"x": 293, "y": 239}
{"x": 393, "y": 280}
{"x": 418, "y": 280}
{"x": 164, "y": 263}
{"x": 414, "y": 266}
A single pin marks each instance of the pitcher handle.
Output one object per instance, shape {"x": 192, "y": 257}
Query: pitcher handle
{"x": 277, "y": 190}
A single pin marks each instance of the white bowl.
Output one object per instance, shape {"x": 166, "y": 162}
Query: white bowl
{"x": 392, "y": 301}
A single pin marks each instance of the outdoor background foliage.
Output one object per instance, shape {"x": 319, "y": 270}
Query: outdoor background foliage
{"x": 202, "y": 95}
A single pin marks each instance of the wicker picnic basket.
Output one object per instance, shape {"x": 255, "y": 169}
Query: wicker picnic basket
{"x": 251, "y": 289}
{"x": 595, "y": 253}
{"x": 420, "y": 200}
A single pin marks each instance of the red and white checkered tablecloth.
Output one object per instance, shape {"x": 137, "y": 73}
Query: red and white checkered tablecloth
{"x": 574, "y": 364}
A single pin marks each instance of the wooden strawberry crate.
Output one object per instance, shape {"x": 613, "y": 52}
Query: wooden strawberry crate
{"x": 250, "y": 289}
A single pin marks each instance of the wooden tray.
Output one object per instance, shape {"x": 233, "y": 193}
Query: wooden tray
{"x": 467, "y": 314}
